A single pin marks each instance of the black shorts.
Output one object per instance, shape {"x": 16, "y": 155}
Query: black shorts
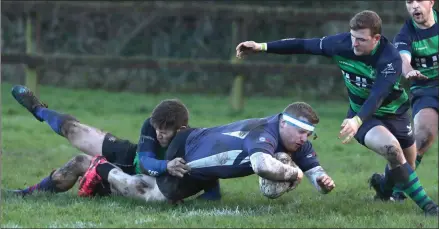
{"x": 424, "y": 98}
{"x": 120, "y": 153}
{"x": 398, "y": 125}
{"x": 176, "y": 188}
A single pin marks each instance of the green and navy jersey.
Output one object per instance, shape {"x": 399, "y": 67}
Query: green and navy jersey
{"x": 150, "y": 155}
{"x": 422, "y": 46}
{"x": 372, "y": 81}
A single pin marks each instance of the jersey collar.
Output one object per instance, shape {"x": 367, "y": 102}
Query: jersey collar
{"x": 376, "y": 48}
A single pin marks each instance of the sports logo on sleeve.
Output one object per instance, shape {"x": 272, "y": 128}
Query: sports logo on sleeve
{"x": 144, "y": 138}
{"x": 388, "y": 70}
{"x": 399, "y": 43}
{"x": 321, "y": 42}
{"x": 264, "y": 139}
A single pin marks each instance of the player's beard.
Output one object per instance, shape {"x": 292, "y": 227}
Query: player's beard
{"x": 419, "y": 18}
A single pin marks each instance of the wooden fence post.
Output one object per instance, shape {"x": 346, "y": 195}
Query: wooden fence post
{"x": 237, "y": 90}
{"x": 31, "y": 73}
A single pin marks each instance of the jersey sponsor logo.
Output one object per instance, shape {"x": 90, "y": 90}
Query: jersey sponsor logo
{"x": 420, "y": 48}
{"x": 153, "y": 173}
{"x": 112, "y": 139}
{"x": 388, "y": 70}
{"x": 345, "y": 63}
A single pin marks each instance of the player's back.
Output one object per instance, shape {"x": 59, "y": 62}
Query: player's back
{"x": 220, "y": 152}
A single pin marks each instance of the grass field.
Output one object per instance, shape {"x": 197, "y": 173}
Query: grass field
{"x": 31, "y": 150}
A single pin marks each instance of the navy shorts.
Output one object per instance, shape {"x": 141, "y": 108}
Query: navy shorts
{"x": 424, "y": 98}
{"x": 398, "y": 125}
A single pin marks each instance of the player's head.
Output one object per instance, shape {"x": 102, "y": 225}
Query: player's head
{"x": 365, "y": 28}
{"x": 420, "y": 11}
{"x": 296, "y": 125}
{"x": 168, "y": 117}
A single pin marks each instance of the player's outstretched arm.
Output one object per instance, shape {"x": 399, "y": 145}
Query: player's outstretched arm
{"x": 315, "y": 46}
{"x": 320, "y": 179}
{"x": 265, "y": 166}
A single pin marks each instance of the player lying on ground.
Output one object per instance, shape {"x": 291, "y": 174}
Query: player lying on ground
{"x": 417, "y": 43}
{"x": 378, "y": 111}
{"x": 145, "y": 157}
{"x": 234, "y": 150}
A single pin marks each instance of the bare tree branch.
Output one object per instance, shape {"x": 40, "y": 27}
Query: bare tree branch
{"x": 139, "y": 28}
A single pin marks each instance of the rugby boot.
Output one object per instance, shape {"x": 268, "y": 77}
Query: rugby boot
{"x": 375, "y": 183}
{"x": 88, "y": 182}
{"x": 431, "y": 210}
{"x": 27, "y": 99}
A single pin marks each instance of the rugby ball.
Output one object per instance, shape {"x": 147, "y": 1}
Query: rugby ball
{"x": 274, "y": 189}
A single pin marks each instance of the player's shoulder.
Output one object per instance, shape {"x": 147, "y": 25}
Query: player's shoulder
{"x": 339, "y": 38}
{"x": 147, "y": 125}
{"x": 263, "y": 128}
{"x": 338, "y": 44}
{"x": 389, "y": 52}
{"x": 269, "y": 123}
{"x": 407, "y": 27}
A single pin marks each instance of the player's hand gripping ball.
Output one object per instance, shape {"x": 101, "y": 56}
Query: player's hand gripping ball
{"x": 274, "y": 189}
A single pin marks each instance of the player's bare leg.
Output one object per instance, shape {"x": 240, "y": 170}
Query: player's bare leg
{"x": 399, "y": 173}
{"x": 410, "y": 155}
{"x": 139, "y": 186}
{"x": 85, "y": 138}
{"x": 381, "y": 141}
{"x": 426, "y": 128}
{"x": 426, "y": 125}
{"x": 61, "y": 179}
{"x": 66, "y": 176}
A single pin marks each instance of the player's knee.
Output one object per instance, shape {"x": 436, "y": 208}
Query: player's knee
{"x": 70, "y": 126}
{"x": 81, "y": 162}
{"x": 393, "y": 153}
{"x": 424, "y": 137}
{"x": 61, "y": 184}
{"x": 140, "y": 185}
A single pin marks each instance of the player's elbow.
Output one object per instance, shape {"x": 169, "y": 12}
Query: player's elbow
{"x": 259, "y": 165}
